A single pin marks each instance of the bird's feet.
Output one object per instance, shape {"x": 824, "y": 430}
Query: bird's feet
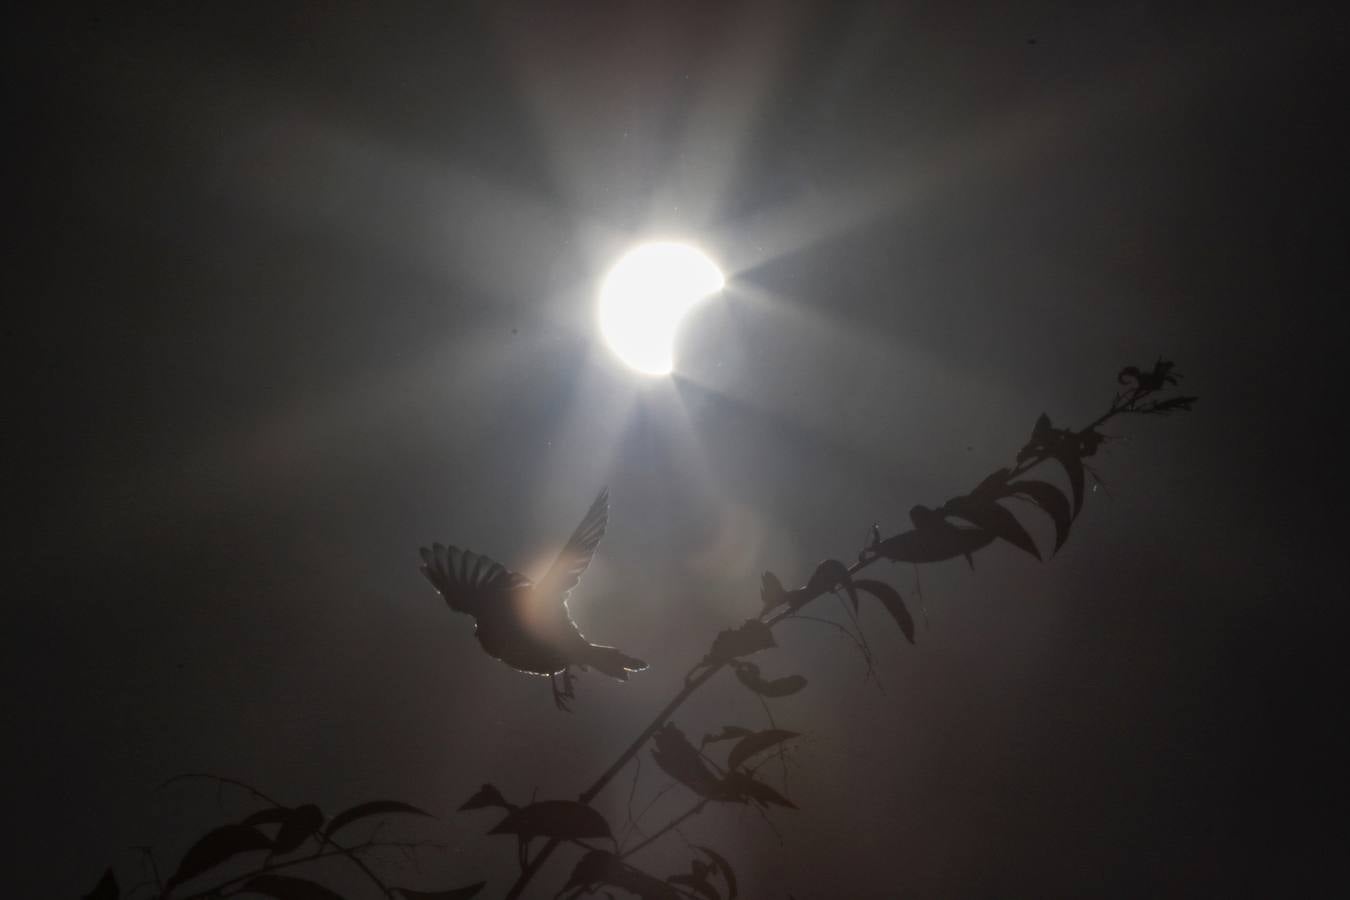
{"x": 561, "y": 698}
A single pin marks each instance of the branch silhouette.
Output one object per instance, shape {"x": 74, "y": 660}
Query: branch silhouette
{"x": 932, "y": 539}
{"x": 958, "y": 528}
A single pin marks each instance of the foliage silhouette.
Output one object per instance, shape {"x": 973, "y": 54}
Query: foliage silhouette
{"x": 471, "y": 583}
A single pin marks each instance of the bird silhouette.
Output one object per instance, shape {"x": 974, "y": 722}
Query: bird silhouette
{"x": 524, "y": 624}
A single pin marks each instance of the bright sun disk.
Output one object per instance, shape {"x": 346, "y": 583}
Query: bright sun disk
{"x": 644, "y": 297}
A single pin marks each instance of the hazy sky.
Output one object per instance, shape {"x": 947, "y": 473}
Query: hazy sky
{"x": 315, "y": 286}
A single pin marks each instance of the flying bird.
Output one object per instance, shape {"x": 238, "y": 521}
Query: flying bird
{"x": 526, "y": 624}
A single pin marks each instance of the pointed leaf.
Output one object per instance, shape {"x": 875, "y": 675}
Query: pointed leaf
{"x": 741, "y": 786}
{"x": 728, "y": 873}
{"x": 1052, "y": 500}
{"x": 728, "y": 733}
{"x": 1040, "y": 435}
{"x": 216, "y": 847}
{"x": 751, "y": 637}
{"x": 701, "y": 885}
{"x": 757, "y": 743}
{"x": 270, "y": 816}
{"x": 771, "y": 591}
{"x": 831, "y": 574}
{"x": 302, "y": 822}
{"x": 933, "y": 544}
{"x": 1172, "y": 404}
{"x": 373, "y": 808}
{"x": 566, "y": 819}
{"x": 992, "y": 486}
{"x": 748, "y": 675}
{"x": 487, "y": 796}
{"x": 922, "y": 517}
{"x": 598, "y": 867}
{"x": 106, "y": 889}
{"x": 677, "y": 758}
{"x": 890, "y": 598}
{"x": 287, "y": 887}
{"x": 463, "y": 893}
{"x": 995, "y": 519}
{"x": 1073, "y": 467}
{"x": 590, "y": 871}
{"x": 1089, "y": 441}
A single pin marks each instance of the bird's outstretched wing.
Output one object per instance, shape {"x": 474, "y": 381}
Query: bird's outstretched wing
{"x": 469, "y": 582}
{"x": 566, "y": 570}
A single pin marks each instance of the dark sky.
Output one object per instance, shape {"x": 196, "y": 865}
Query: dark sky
{"x": 315, "y": 286}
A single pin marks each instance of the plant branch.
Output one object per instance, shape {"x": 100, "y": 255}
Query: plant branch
{"x": 213, "y": 891}
{"x": 704, "y": 671}
{"x": 665, "y": 829}
{"x": 324, "y": 839}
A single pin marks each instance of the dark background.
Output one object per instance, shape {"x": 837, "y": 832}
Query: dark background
{"x": 314, "y": 284}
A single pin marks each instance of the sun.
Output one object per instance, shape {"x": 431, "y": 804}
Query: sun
{"x": 644, "y": 297}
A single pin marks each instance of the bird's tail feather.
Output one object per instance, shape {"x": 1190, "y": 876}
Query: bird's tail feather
{"x": 612, "y": 662}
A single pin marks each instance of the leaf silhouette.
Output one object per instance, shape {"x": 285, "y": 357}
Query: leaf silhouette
{"x": 1041, "y": 433}
{"x": 463, "y": 893}
{"x": 556, "y": 819}
{"x": 214, "y": 848}
{"x": 372, "y": 808}
{"x": 933, "y": 544}
{"x": 1089, "y": 441}
{"x": 598, "y": 867}
{"x": 106, "y": 889}
{"x": 1172, "y": 404}
{"x": 757, "y": 743}
{"x": 678, "y": 759}
{"x": 748, "y": 674}
{"x": 993, "y": 485}
{"x": 487, "y": 796}
{"x": 1073, "y": 467}
{"x": 299, "y": 824}
{"x": 697, "y": 879}
{"x": 728, "y": 733}
{"x": 830, "y": 574}
{"x": 728, "y": 873}
{"x": 270, "y": 816}
{"x": 995, "y": 519}
{"x": 771, "y": 591}
{"x": 751, "y": 637}
{"x": 1156, "y": 380}
{"x": 1052, "y": 500}
{"x": 741, "y": 786}
{"x": 890, "y": 598}
{"x": 286, "y": 887}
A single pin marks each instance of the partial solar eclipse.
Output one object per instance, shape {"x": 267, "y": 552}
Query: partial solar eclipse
{"x": 644, "y": 297}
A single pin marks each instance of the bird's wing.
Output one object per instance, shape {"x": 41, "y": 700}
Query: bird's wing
{"x": 566, "y": 570}
{"x": 468, "y": 581}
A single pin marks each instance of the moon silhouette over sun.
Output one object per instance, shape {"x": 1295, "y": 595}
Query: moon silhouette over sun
{"x": 644, "y": 297}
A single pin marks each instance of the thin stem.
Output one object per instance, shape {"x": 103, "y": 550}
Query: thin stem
{"x": 707, "y": 670}
{"x": 323, "y": 838}
{"x": 301, "y": 860}
{"x": 666, "y": 829}
{"x": 691, "y": 685}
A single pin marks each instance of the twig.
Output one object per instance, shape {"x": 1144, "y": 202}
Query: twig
{"x": 704, "y": 671}
{"x": 666, "y": 829}
{"x": 301, "y": 860}
{"x": 323, "y": 838}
